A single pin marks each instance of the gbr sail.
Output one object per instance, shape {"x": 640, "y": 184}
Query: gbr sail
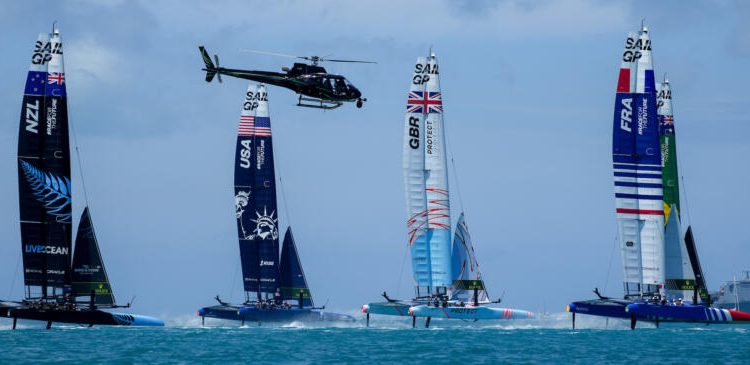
{"x": 426, "y": 179}
{"x": 636, "y": 158}
{"x": 467, "y": 278}
{"x": 44, "y": 170}
{"x": 255, "y": 196}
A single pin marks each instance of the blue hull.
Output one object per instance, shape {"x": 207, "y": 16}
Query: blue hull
{"x": 255, "y": 314}
{"x": 687, "y": 313}
{"x": 601, "y": 307}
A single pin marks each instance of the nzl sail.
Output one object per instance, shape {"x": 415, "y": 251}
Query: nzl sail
{"x": 682, "y": 269}
{"x": 636, "y": 157}
{"x": 426, "y": 180}
{"x": 44, "y": 171}
{"x": 255, "y": 197}
{"x": 89, "y": 275}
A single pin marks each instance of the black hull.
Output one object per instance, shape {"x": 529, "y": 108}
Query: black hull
{"x": 76, "y": 316}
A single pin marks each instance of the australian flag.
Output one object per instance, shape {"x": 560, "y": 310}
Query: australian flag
{"x": 666, "y": 124}
{"x": 35, "y": 82}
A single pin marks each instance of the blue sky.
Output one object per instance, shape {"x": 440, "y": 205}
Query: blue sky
{"x": 528, "y": 89}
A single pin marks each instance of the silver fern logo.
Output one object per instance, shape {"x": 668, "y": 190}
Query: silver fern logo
{"x": 265, "y": 225}
{"x": 51, "y": 190}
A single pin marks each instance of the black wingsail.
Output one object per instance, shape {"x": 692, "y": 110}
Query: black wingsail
{"x": 293, "y": 283}
{"x": 44, "y": 171}
{"x": 255, "y": 197}
{"x": 89, "y": 275}
{"x": 700, "y": 281}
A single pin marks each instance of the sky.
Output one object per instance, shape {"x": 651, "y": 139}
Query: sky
{"x": 528, "y": 92}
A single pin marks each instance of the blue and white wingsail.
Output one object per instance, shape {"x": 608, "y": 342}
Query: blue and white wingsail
{"x": 637, "y": 170}
{"x": 426, "y": 180}
{"x": 436, "y": 182}
{"x": 467, "y": 279}
{"x": 414, "y": 178}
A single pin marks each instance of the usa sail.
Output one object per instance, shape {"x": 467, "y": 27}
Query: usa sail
{"x": 255, "y": 196}
{"x": 293, "y": 282}
{"x": 54, "y": 284}
{"x": 276, "y": 289}
{"x": 636, "y": 157}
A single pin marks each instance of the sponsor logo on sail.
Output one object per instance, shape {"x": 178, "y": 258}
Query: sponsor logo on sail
{"x": 44, "y": 249}
{"x": 52, "y": 116}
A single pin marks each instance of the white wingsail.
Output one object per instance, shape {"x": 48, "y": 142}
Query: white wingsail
{"x": 637, "y": 170}
{"x": 414, "y": 179}
{"x": 436, "y": 184}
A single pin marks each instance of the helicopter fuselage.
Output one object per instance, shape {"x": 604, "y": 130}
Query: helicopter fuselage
{"x": 317, "y": 85}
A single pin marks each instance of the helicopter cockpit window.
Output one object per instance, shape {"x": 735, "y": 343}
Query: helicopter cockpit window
{"x": 340, "y": 87}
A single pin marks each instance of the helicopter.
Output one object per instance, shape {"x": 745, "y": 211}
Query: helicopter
{"x": 314, "y": 85}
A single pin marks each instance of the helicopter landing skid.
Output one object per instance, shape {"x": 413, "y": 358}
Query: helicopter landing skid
{"x": 318, "y": 103}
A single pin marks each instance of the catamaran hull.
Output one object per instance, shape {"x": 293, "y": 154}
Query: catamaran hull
{"x": 688, "y": 313}
{"x": 84, "y": 317}
{"x": 600, "y": 307}
{"x": 471, "y": 313}
{"x": 255, "y": 314}
{"x": 387, "y": 308}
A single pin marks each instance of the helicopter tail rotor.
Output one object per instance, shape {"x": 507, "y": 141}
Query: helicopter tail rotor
{"x": 211, "y": 69}
{"x": 218, "y": 75}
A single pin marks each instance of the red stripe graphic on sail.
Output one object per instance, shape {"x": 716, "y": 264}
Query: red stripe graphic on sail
{"x": 623, "y": 82}
{"x": 639, "y": 211}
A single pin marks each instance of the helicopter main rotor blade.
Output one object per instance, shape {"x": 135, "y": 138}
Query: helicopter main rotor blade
{"x": 272, "y": 53}
{"x": 350, "y": 61}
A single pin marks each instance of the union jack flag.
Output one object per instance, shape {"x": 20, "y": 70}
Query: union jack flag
{"x": 424, "y": 102}
{"x": 56, "y": 78}
{"x": 668, "y": 120}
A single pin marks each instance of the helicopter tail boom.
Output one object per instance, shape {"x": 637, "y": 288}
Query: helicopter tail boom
{"x": 210, "y": 67}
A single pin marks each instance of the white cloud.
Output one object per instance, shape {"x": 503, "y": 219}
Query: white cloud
{"x": 91, "y": 64}
{"x": 411, "y": 19}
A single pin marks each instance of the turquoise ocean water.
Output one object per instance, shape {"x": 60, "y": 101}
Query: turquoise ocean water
{"x": 547, "y": 340}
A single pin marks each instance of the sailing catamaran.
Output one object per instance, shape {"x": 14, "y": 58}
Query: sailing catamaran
{"x": 448, "y": 281}
{"x": 275, "y": 290}
{"x": 56, "y": 289}
{"x": 660, "y": 269}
